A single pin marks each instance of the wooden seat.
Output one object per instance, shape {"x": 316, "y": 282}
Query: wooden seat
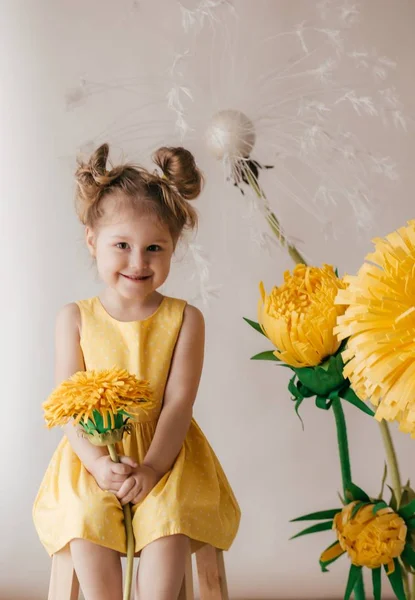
{"x": 64, "y": 584}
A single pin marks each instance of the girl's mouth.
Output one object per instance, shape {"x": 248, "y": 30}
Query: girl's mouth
{"x": 136, "y": 278}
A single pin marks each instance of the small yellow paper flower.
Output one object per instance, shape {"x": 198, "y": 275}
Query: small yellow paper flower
{"x": 380, "y": 324}
{"x": 107, "y": 391}
{"x": 370, "y": 540}
{"x": 299, "y": 316}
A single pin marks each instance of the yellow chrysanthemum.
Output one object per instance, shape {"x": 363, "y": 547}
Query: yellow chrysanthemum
{"x": 299, "y": 316}
{"x": 370, "y": 540}
{"x": 107, "y": 391}
{"x": 380, "y": 324}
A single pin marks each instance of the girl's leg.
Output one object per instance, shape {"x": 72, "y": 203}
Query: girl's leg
{"x": 98, "y": 570}
{"x": 161, "y": 568}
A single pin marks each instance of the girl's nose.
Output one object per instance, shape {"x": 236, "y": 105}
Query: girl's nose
{"x": 139, "y": 260}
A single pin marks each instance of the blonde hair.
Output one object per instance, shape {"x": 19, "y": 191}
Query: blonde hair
{"x": 166, "y": 195}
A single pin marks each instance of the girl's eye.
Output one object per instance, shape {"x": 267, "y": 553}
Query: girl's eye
{"x": 154, "y": 248}
{"x": 122, "y": 245}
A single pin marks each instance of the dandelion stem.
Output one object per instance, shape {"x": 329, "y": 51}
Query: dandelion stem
{"x": 272, "y": 220}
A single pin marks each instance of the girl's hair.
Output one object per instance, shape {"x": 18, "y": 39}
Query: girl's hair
{"x": 165, "y": 195}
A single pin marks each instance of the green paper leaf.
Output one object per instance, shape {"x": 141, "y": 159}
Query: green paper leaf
{"x": 408, "y": 510}
{"x": 342, "y": 500}
{"x": 255, "y": 325}
{"x": 323, "y": 378}
{"x": 325, "y": 564}
{"x": 294, "y": 391}
{"x": 314, "y": 529}
{"x": 379, "y": 506}
{"x": 410, "y": 523}
{"x": 396, "y": 581}
{"x": 393, "y": 503}
{"x": 408, "y": 494}
{"x": 267, "y": 355}
{"x": 382, "y": 486}
{"x": 297, "y": 407}
{"x": 377, "y": 583}
{"x": 408, "y": 555}
{"x": 304, "y": 390}
{"x": 354, "y": 492}
{"x": 349, "y": 395}
{"x": 357, "y": 507}
{"x": 316, "y": 516}
{"x": 323, "y": 403}
{"x": 99, "y": 425}
{"x": 354, "y": 573}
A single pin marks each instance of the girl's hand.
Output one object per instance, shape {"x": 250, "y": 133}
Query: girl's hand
{"x": 138, "y": 485}
{"x": 109, "y": 475}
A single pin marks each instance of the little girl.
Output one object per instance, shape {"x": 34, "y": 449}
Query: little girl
{"x": 133, "y": 220}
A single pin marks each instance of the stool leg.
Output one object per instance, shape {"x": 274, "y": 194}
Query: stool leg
{"x": 212, "y": 576}
{"x": 186, "y": 592}
{"x": 64, "y": 584}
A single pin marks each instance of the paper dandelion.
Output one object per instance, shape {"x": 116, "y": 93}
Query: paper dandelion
{"x": 102, "y": 404}
{"x": 379, "y": 325}
{"x": 267, "y": 101}
{"x": 374, "y": 534}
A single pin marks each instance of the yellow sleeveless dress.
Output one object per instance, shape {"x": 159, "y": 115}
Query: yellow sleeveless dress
{"x": 194, "y": 498}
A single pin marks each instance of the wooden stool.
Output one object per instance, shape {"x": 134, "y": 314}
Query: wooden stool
{"x": 64, "y": 584}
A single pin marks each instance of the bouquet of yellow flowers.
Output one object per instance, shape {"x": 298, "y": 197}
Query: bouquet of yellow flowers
{"x": 353, "y": 339}
{"x": 102, "y": 404}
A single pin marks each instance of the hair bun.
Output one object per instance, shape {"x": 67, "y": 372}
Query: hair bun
{"x": 92, "y": 179}
{"x": 179, "y": 167}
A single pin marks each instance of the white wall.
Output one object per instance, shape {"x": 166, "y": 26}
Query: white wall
{"x": 277, "y": 471}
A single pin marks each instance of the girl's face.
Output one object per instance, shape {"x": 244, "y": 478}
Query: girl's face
{"x": 133, "y": 253}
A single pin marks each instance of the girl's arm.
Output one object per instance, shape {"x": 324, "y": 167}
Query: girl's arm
{"x": 69, "y": 360}
{"x": 180, "y": 393}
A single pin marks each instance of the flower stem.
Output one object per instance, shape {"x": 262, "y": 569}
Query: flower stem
{"x": 396, "y": 484}
{"x": 128, "y": 523}
{"x": 342, "y": 443}
{"x": 272, "y": 220}
{"x": 392, "y": 461}
{"x": 276, "y": 228}
{"x": 346, "y": 472}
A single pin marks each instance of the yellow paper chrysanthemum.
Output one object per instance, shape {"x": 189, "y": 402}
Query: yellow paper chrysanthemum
{"x": 108, "y": 392}
{"x": 380, "y": 324}
{"x": 371, "y": 539}
{"x": 299, "y": 316}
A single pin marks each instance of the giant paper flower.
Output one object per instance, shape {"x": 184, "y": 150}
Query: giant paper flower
{"x": 380, "y": 323}
{"x": 299, "y": 316}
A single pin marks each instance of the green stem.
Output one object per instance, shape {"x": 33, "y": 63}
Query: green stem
{"x": 342, "y": 443}
{"x": 346, "y": 472}
{"x": 391, "y": 460}
{"x": 396, "y": 484}
{"x": 128, "y": 523}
